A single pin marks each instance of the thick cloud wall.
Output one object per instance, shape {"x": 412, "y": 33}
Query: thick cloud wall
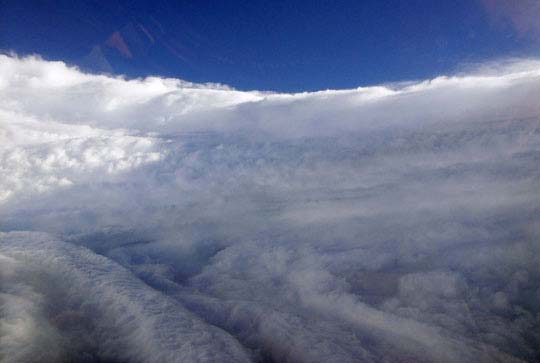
{"x": 155, "y": 220}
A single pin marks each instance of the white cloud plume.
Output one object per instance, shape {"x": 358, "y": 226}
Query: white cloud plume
{"x": 380, "y": 224}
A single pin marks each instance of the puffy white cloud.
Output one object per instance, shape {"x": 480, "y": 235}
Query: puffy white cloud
{"x": 200, "y": 223}
{"x": 37, "y": 156}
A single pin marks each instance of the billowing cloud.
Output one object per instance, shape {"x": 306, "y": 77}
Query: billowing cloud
{"x": 156, "y": 220}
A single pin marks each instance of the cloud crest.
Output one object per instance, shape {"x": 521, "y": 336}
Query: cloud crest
{"x": 168, "y": 221}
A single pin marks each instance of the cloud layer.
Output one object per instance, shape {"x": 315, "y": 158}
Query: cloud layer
{"x": 155, "y": 220}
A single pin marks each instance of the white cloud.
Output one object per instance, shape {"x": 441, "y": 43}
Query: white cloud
{"x": 386, "y": 223}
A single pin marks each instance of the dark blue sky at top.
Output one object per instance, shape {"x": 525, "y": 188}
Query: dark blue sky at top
{"x": 271, "y": 45}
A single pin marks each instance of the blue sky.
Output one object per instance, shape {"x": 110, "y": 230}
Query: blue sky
{"x": 276, "y": 45}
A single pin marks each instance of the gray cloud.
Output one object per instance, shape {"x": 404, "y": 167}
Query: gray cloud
{"x": 160, "y": 220}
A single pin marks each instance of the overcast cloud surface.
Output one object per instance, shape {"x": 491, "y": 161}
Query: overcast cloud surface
{"x": 155, "y": 220}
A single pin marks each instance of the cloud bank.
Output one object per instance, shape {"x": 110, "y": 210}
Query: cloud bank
{"x": 156, "y": 220}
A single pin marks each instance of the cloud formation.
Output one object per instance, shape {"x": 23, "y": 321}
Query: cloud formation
{"x": 156, "y": 220}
